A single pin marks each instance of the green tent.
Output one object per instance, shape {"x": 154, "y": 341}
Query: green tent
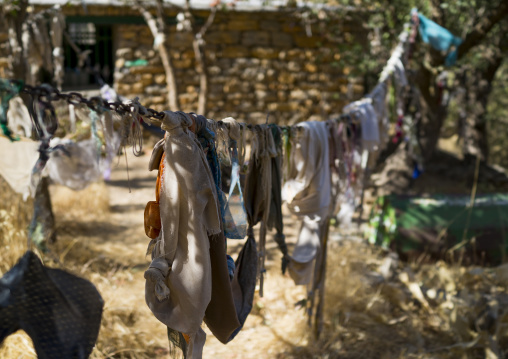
{"x": 443, "y": 226}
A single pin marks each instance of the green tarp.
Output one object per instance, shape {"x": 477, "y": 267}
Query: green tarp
{"x": 443, "y": 226}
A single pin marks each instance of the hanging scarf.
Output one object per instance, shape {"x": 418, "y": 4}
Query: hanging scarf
{"x": 275, "y": 219}
{"x": 258, "y": 188}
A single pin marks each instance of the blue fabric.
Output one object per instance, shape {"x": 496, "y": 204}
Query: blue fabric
{"x": 439, "y": 38}
{"x": 207, "y": 140}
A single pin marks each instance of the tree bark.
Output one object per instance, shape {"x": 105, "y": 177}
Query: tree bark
{"x": 158, "y": 29}
{"x": 478, "y": 85}
{"x": 201, "y": 66}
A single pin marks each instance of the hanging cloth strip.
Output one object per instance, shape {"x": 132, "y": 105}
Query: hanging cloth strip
{"x": 235, "y": 221}
{"x": 206, "y": 138}
{"x": 275, "y": 219}
{"x": 244, "y": 281}
{"x": 59, "y": 311}
{"x": 76, "y": 165}
{"x": 258, "y": 188}
{"x": 364, "y": 111}
{"x": 307, "y": 193}
{"x": 188, "y": 257}
{"x": 378, "y": 98}
{"x": 16, "y": 164}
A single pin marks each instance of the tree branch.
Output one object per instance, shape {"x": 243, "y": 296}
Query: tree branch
{"x": 480, "y": 31}
{"x": 150, "y": 20}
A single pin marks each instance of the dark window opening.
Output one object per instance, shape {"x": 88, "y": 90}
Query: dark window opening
{"x": 99, "y": 67}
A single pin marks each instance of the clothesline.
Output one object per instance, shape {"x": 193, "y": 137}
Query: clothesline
{"x": 47, "y": 94}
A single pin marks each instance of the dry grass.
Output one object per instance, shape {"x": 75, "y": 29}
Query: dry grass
{"x": 15, "y": 215}
{"x": 92, "y": 202}
{"x": 378, "y": 307}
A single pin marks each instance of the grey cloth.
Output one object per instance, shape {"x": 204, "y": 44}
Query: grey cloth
{"x": 364, "y": 111}
{"x": 378, "y": 97}
{"x": 308, "y": 194}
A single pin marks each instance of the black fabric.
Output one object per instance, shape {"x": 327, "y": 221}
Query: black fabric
{"x": 275, "y": 218}
{"x": 59, "y": 311}
{"x": 254, "y": 193}
{"x": 244, "y": 282}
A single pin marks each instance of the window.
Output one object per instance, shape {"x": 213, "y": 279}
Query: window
{"x": 97, "y": 39}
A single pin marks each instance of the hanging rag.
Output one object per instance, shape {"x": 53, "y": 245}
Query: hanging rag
{"x": 258, "y": 188}
{"x": 235, "y": 221}
{"x": 307, "y": 193}
{"x": 188, "y": 275}
{"x": 364, "y": 111}
{"x": 439, "y": 38}
{"x": 59, "y": 311}
{"x": 19, "y": 118}
{"x": 275, "y": 219}
{"x": 378, "y": 98}
{"x": 75, "y": 166}
{"x": 206, "y": 138}
{"x": 16, "y": 163}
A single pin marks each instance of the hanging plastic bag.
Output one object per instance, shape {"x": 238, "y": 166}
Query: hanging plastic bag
{"x": 235, "y": 218}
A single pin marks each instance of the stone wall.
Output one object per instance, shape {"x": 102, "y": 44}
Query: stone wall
{"x": 258, "y": 62}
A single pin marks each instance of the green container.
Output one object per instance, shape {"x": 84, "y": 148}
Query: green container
{"x": 443, "y": 226}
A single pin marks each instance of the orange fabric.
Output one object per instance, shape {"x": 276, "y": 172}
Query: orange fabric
{"x": 158, "y": 184}
{"x": 186, "y": 337}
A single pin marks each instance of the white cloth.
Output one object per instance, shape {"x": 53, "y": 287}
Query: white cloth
{"x": 19, "y": 118}
{"x": 307, "y": 193}
{"x": 16, "y": 162}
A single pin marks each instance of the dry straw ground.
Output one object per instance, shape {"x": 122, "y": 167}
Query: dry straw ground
{"x": 376, "y": 306}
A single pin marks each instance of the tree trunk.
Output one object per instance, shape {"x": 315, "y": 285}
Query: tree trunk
{"x": 165, "y": 55}
{"x": 201, "y": 66}
{"x": 478, "y": 86}
{"x": 158, "y": 29}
